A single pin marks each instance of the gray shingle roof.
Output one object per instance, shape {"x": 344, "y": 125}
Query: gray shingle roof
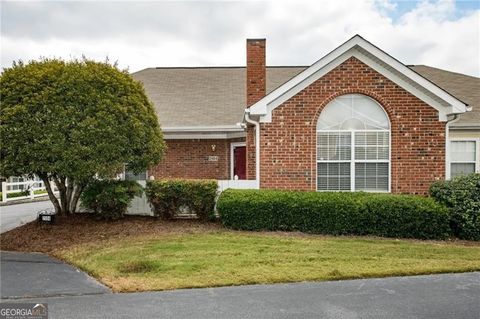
{"x": 203, "y": 96}
{"x": 464, "y": 87}
{"x": 216, "y": 96}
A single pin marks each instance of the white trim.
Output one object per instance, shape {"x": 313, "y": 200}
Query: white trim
{"x": 213, "y": 128}
{"x": 265, "y": 106}
{"x": 447, "y": 146}
{"x": 200, "y": 136}
{"x": 477, "y": 153}
{"x": 232, "y": 149}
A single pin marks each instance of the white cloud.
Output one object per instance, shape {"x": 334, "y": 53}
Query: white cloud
{"x": 205, "y": 33}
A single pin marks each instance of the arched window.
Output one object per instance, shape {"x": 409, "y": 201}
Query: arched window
{"x": 353, "y": 145}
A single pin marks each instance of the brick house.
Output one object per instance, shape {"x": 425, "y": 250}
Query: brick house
{"x": 357, "y": 119}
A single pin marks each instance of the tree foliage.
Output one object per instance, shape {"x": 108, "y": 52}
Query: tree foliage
{"x": 69, "y": 121}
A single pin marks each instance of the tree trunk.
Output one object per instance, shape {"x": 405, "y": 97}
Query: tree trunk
{"x": 76, "y": 196}
{"x": 69, "y": 191}
{"x": 62, "y": 189}
{"x": 51, "y": 195}
{"x": 70, "y": 187}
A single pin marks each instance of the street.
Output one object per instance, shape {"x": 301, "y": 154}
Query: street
{"x": 12, "y": 216}
{"x": 435, "y": 296}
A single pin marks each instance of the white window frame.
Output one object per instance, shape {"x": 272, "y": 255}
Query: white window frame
{"x": 353, "y": 160}
{"x": 233, "y": 145}
{"x": 477, "y": 154}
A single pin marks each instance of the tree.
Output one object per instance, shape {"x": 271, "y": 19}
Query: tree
{"x": 72, "y": 121}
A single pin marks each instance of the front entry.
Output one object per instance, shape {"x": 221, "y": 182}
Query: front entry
{"x": 239, "y": 162}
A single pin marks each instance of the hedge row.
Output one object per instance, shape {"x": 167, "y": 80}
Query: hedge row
{"x": 170, "y": 197}
{"x": 461, "y": 196}
{"x": 384, "y": 215}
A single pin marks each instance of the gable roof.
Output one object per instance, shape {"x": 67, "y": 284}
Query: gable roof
{"x": 378, "y": 60}
{"x": 185, "y": 97}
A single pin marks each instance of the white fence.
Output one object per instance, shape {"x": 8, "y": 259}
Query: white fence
{"x": 32, "y": 188}
{"x": 35, "y": 188}
{"x": 237, "y": 184}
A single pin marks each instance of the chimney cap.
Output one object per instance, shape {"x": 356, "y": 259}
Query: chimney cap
{"x": 256, "y": 39}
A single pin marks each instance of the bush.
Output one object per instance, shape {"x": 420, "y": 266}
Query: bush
{"x": 109, "y": 198}
{"x": 169, "y": 196}
{"x": 461, "y": 195}
{"x": 18, "y": 194}
{"x": 334, "y": 213}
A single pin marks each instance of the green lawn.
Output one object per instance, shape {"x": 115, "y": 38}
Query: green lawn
{"x": 232, "y": 258}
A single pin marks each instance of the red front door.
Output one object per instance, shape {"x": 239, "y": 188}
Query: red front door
{"x": 240, "y": 162}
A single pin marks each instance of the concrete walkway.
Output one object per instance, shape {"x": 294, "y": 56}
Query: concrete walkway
{"x": 12, "y": 216}
{"x": 29, "y": 275}
{"x": 436, "y": 296}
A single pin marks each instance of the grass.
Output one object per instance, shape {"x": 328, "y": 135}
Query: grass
{"x": 221, "y": 258}
{"x": 24, "y": 193}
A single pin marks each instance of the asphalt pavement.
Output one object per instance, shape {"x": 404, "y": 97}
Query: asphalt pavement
{"x": 29, "y": 275}
{"x": 12, "y": 216}
{"x": 436, "y": 296}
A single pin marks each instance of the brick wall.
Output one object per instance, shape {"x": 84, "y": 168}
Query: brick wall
{"x": 288, "y": 144}
{"x": 190, "y": 159}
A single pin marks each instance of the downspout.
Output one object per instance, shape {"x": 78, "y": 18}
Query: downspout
{"x": 257, "y": 145}
{"x": 447, "y": 145}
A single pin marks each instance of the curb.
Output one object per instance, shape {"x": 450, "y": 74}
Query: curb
{"x": 24, "y": 201}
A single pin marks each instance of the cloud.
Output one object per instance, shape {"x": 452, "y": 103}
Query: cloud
{"x": 148, "y": 34}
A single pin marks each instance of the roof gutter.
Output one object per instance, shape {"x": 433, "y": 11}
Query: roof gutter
{"x": 226, "y": 128}
{"x": 257, "y": 145}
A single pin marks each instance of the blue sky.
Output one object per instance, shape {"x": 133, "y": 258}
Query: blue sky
{"x": 439, "y": 33}
{"x": 462, "y": 7}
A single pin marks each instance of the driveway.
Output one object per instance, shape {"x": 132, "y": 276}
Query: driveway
{"x": 436, "y": 296}
{"x": 27, "y": 275}
{"x": 12, "y": 216}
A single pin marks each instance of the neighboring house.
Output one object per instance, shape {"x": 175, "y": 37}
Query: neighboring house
{"x": 357, "y": 119}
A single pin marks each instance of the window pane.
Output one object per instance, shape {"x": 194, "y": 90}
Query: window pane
{"x": 333, "y": 176}
{"x": 353, "y": 111}
{"x": 371, "y": 176}
{"x": 371, "y": 145}
{"x": 462, "y": 169}
{"x": 462, "y": 151}
{"x": 334, "y": 146}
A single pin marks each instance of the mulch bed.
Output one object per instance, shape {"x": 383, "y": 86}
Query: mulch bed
{"x": 84, "y": 228}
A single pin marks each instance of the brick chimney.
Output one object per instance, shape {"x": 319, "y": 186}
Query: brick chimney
{"x": 256, "y": 71}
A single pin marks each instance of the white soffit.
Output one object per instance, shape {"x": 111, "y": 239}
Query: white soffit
{"x": 375, "y": 58}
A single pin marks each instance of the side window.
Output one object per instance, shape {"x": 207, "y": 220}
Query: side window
{"x": 463, "y": 157}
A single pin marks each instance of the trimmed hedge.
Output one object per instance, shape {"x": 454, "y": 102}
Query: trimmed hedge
{"x": 384, "y": 215}
{"x": 169, "y": 196}
{"x": 461, "y": 195}
{"x": 109, "y": 199}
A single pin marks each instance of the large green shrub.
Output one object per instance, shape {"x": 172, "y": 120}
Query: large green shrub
{"x": 109, "y": 199}
{"x": 462, "y": 197}
{"x": 70, "y": 121}
{"x": 334, "y": 213}
{"x": 169, "y": 196}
